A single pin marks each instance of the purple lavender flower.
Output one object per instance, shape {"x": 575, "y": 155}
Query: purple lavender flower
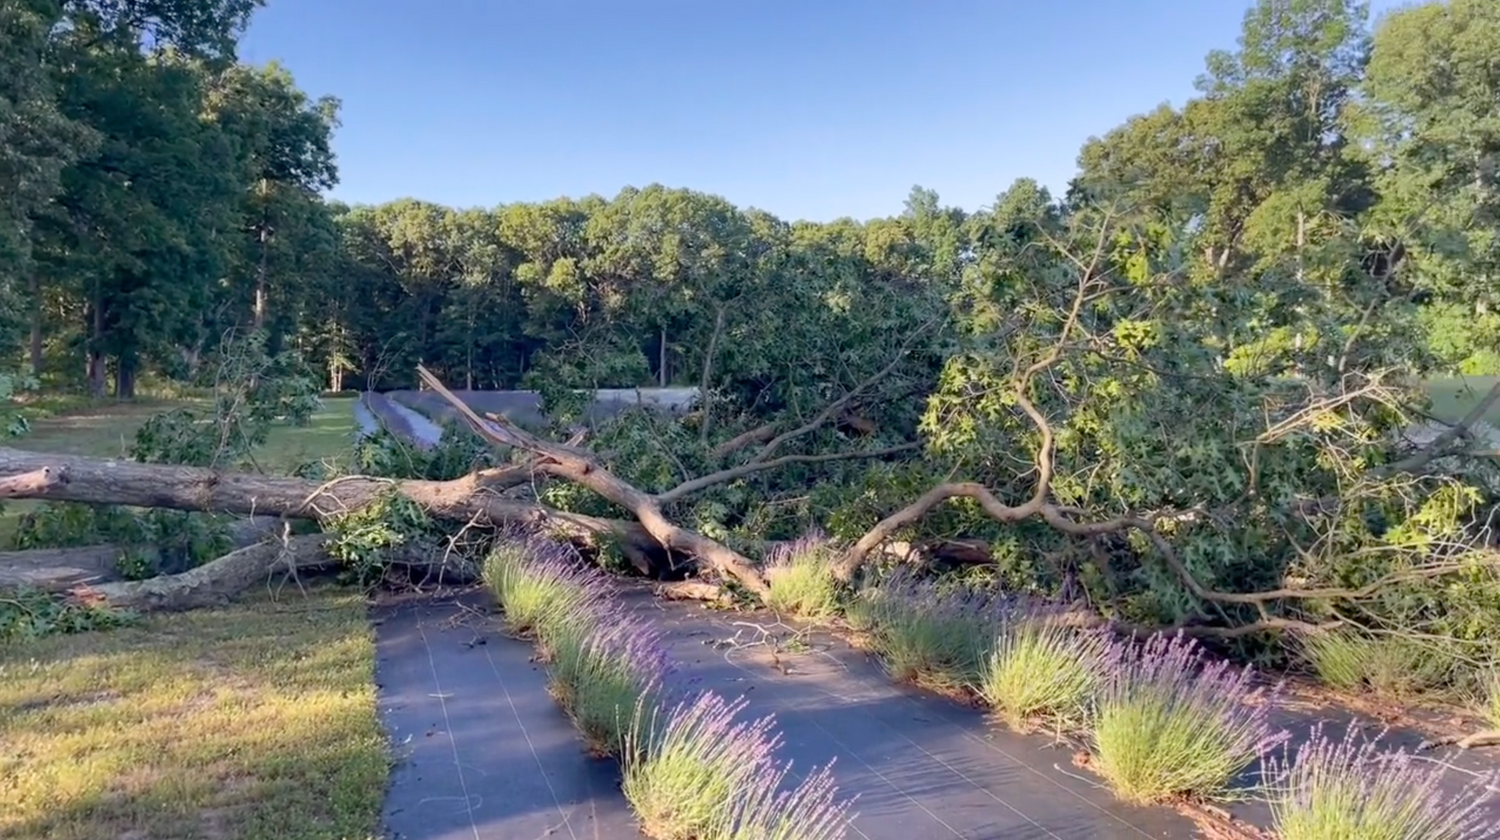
{"x": 929, "y": 634}
{"x": 1170, "y": 723}
{"x": 801, "y": 579}
{"x": 1332, "y": 790}
{"x": 683, "y": 769}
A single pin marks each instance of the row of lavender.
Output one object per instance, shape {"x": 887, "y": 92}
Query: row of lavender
{"x": 692, "y": 767}
{"x": 1160, "y": 720}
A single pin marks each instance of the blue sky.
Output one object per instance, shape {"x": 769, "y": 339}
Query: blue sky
{"x": 810, "y": 110}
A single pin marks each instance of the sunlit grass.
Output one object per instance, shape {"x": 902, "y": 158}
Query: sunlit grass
{"x": 1171, "y": 724}
{"x": 1043, "y": 673}
{"x": 1389, "y": 665}
{"x": 1347, "y": 790}
{"x": 249, "y": 722}
{"x": 801, "y": 580}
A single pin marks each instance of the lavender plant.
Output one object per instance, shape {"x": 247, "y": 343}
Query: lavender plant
{"x": 933, "y": 636}
{"x": 1391, "y": 665}
{"x": 604, "y": 663}
{"x": 1169, "y": 723}
{"x": 1349, "y": 790}
{"x": 801, "y": 580}
{"x": 1043, "y": 672}
{"x": 767, "y": 810}
{"x": 539, "y": 587}
{"x": 683, "y": 771}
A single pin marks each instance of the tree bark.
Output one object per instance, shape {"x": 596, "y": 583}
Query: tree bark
{"x": 471, "y": 498}
{"x": 579, "y": 467}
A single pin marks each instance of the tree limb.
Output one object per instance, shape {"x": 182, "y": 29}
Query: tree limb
{"x": 30, "y": 483}
{"x": 582, "y": 469}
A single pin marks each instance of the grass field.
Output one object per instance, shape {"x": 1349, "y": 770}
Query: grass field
{"x": 248, "y": 722}
{"x": 1453, "y": 397}
{"x": 105, "y": 430}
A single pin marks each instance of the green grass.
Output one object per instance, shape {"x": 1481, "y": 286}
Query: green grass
{"x": 106, "y": 428}
{"x": 1042, "y": 673}
{"x": 1453, "y": 397}
{"x": 252, "y": 722}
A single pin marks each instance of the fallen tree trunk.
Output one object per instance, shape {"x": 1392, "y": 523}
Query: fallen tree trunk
{"x": 214, "y": 582}
{"x": 473, "y": 498}
{"x": 60, "y": 569}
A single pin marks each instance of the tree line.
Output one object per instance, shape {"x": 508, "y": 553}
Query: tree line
{"x": 1172, "y": 389}
{"x": 160, "y": 193}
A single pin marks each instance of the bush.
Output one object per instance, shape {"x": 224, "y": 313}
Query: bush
{"x": 925, "y": 634}
{"x": 603, "y": 664}
{"x": 801, "y": 580}
{"x": 702, "y": 774}
{"x": 1169, "y": 724}
{"x": 1347, "y": 791}
{"x": 810, "y": 811}
{"x": 682, "y": 772}
{"x": 1351, "y": 660}
{"x": 540, "y": 588}
{"x": 1044, "y": 673}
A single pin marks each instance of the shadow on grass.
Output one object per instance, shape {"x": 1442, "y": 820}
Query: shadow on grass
{"x": 252, "y": 721}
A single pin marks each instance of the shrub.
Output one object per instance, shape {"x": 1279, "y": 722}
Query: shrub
{"x": 1170, "y": 724}
{"x": 926, "y": 634}
{"x": 602, "y": 668}
{"x": 1351, "y": 660}
{"x": 801, "y": 580}
{"x": 1042, "y": 672}
{"x": 700, "y": 773}
{"x": 539, "y": 587}
{"x": 681, "y": 773}
{"x": 1345, "y": 790}
{"x": 810, "y": 811}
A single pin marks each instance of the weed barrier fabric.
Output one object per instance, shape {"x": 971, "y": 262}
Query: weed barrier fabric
{"x": 481, "y": 750}
{"x": 920, "y": 765}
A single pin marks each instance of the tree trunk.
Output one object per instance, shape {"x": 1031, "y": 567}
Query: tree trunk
{"x": 95, "y": 361}
{"x": 471, "y": 498}
{"x": 36, "y": 326}
{"x": 125, "y": 377}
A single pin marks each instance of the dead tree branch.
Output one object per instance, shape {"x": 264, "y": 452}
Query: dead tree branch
{"x": 584, "y": 470}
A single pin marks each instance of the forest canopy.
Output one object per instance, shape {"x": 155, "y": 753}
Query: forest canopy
{"x": 1181, "y": 381}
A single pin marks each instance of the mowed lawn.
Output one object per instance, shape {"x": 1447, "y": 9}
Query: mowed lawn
{"x": 1453, "y": 397}
{"x": 252, "y": 721}
{"x": 106, "y": 429}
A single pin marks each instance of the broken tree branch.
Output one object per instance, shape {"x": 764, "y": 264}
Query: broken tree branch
{"x": 30, "y": 483}
{"x": 584, "y": 470}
